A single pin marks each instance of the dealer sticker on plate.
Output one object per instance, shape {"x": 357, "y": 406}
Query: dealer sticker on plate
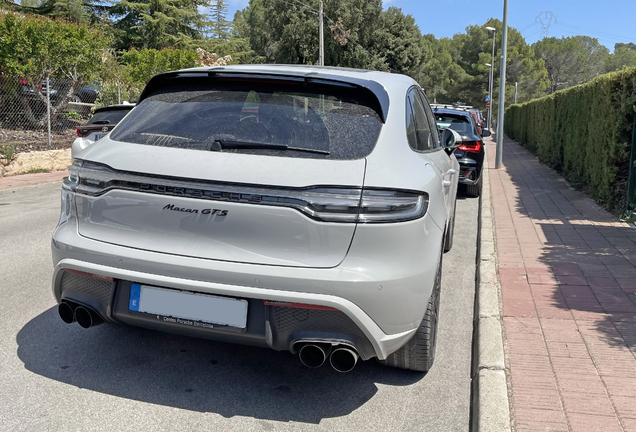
{"x": 185, "y": 307}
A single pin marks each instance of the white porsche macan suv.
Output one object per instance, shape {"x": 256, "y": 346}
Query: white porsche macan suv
{"x": 293, "y": 207}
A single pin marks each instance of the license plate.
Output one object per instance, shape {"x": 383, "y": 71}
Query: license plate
{"x": 188, "y": 308}
{"x": 99, "y": 136}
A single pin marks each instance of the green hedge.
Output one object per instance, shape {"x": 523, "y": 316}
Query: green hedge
{"x": 583, "y": 132}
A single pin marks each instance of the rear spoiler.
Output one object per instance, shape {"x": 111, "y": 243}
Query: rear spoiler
{"x": 165, "y": 79}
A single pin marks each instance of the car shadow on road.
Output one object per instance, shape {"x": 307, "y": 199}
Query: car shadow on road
{"x": 196, "y": 374}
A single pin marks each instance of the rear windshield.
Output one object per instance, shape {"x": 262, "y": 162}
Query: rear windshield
{"x": 458, "y": 123}
{"x": 108, "y": 117}
{"x": 336, "y": 122}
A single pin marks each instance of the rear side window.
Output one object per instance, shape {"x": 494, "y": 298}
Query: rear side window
{"x": 108, "y": 117}
{"x": 422, "y": 129}
{"x": 310, "y": 121}
{"x": 434, "y": 141}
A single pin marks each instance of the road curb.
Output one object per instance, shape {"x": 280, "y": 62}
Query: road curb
{"x": 491, "y": 407}
{"x": 21, "y": 180}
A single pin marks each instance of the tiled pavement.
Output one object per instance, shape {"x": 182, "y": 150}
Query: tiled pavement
{"x": 568, "y": 280}
{"x": 31, "y": 179}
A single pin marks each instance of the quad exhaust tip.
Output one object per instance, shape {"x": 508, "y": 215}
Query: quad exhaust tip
{"x": 66, "y": 312}
{"x": 86, "y": 318}
{"x": 314, "y": 355}
{"x": 343, "y": 359}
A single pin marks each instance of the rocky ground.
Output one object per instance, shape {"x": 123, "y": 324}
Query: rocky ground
{"x": 44, "y": 161}
{"x": 33, "y": 153}
{"x": 30, "y": 140}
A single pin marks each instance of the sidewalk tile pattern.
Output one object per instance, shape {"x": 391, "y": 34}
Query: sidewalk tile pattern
{"x": 568, "y": 280}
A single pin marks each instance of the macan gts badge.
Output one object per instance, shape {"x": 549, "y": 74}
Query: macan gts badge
{"x": 189, "y": 210}
{"x": 305, "y": 209}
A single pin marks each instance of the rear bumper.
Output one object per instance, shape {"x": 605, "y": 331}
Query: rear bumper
{"x": 381, "y": 290}
{"x": 469, "y": 171}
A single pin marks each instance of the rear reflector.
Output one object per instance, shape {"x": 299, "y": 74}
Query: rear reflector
{"x": 90, "y": 275}
{"x": 298, "y": 305}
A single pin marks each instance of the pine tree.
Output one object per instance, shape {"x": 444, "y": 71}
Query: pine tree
{"x": 70, "y": 10}
{"x": 158, "y": 23}
{"x": 220, "y": 26}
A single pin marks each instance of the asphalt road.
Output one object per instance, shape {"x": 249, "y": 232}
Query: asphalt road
{"x": 55, "y": 376}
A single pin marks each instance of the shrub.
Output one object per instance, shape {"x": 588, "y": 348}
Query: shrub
{"x": 8, "y": 153}
{"x": 583, "y": 132}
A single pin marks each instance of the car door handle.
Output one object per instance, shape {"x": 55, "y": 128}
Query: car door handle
{"x": 447, "y": 183}
{"x": 451, "y": 171}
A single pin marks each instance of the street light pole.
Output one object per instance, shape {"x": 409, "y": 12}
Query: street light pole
{"x": 490, "y": 81}
{"x": 502, "y": 89}
{"x": 321, "y": 55}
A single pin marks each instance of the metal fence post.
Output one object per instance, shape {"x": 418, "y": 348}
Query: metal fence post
{"x": 48, "y": 107}
{"x": 118, "y": 94}
{"x": 632, "y": 173}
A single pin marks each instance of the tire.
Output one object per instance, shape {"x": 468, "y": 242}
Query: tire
{"x": 418, "y": 353}
{"x": 450, "y": 232}
{"x": 473, "y": 191}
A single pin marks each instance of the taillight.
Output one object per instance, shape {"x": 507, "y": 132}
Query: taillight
{"x": 470, "y": 147}
{"x": 325, "y": 204}
{"x": 82, "y": 132}
{"x": 391, "y": 206}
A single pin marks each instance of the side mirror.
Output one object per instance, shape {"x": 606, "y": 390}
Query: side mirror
{"x": 450, "y": 139}
{"x": 485, "y": 133}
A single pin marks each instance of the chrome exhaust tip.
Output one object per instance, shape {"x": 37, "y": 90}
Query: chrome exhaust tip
{"x": 343, "y": 359}
{"x": 313, "y": 356}
{"x": 86, "y": 318}
{"x": 66, "y": 312}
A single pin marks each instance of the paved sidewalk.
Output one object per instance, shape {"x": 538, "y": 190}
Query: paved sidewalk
{"x": 31, "y": 179}
{"x": 568, "y": 280}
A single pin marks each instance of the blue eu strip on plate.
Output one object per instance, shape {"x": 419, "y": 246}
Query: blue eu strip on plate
{"x": 135, "y": 292}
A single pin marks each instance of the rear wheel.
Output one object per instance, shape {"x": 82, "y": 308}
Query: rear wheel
{"x": 473, "y": 190}
{"x": 419, "y": 352}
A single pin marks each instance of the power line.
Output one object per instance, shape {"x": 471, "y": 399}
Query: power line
{"x": 602, "y": 39}
{"x": 527, "y": 27}
{"x": 603, "y": 34}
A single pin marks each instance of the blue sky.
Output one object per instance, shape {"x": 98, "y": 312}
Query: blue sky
{"x": 610, "y": 21}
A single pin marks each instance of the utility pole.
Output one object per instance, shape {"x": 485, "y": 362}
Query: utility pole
{"x": 490, "y": 81}
{"x": 48, "y": 107}
{"x": 516, "y": 88}
{"x": 321, "y": 55}
{"x": 502, "y": 89}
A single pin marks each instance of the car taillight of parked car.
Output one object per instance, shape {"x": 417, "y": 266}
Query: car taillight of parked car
{"x": 470, "y": 147}
{"x": 81, "y": 132}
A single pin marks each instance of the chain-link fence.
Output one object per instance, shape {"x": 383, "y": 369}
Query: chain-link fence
{"x": 42, "y": 116}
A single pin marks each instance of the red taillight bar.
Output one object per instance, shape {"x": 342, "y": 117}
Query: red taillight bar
{"x": 298, "y": 305}
{"x": 90, "y": 275}
{"x": 470, "y": 147}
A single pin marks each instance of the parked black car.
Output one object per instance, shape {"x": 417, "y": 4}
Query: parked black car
{"x": 87, "y": 93}
{"x": 470, "y": 154}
